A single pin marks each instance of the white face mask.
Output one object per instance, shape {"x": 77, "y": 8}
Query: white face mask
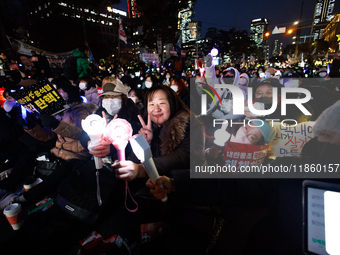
{"x": 322, "y": 74}
{"x": 240, "y": 137}
{"x": 242, "y": 82}
{"x": 174, "y": 88}
{"x": 82, "y": 85}
{"x": 133, "y": 99}
{"x": 148, "y": 84}
{"x": 291, "y": 84}
{"x": 112, "y": 106}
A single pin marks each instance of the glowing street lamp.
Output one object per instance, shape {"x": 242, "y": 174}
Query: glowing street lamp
{"x": 296, "y": 22}
{"x": 143, "y": 152}
{"x": 267, "y": 34}
{"x": 290, "y": 31}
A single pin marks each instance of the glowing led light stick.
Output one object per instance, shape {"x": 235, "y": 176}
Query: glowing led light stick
{"x": 143, "y": 152}
{"x": 214, "y": 52}
{"x": 94, "y": 126}
{"x": 23, "y": 113}
{"x": 118, "y": 132}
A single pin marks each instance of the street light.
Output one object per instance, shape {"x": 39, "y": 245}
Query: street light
{"x": 290, "y": 31}
{"x": 296, "y": 22}
{"x": 267, "y": 34}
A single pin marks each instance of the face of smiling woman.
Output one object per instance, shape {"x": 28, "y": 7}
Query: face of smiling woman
{"x": 159, "y": 108}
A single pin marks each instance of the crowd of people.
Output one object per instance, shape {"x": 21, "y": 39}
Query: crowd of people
{"x": 164, "y": 105}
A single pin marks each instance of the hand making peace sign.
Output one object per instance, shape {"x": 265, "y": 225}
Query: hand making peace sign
{"x": 146, "y": 130}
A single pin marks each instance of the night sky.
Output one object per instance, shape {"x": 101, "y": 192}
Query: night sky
{"x": 226, "y": 14}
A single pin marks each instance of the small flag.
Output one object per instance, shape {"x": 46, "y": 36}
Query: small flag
{"x": 122, "y": 35}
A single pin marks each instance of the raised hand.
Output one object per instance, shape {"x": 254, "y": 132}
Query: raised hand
{"x": 146, "y": 130}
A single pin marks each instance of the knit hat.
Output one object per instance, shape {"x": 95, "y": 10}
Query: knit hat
{"x": 114, "y": 88}
{"x": 274, "y": 82}
{"x": 329, "y": 120}
{"x": 266, "y": 129}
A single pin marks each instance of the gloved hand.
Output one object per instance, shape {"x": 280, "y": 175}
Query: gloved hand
{"x": 208, "y": 60}
{"x": 27, "y": 123}
{"x": 48, "y": 121}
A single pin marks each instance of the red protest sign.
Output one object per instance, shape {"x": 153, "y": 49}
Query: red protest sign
{"x": 240, "y": 154}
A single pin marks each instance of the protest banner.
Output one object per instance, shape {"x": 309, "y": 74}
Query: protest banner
{"x": 41, "y": 98}
{"x": 52, "y": 57}
{"x": 239, "y": 154}
{"x": 289, "y": 140}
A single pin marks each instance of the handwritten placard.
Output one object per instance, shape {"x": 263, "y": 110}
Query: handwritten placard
{"x": 289, "y": 140}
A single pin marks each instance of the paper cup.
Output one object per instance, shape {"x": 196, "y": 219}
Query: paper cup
{"x": 13, "y": 214}
{"x": 28, "y": 186}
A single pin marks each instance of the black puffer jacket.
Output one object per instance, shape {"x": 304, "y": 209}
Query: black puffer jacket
{"x": 171, "y": 143}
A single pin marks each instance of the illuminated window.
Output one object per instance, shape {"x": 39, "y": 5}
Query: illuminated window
{"x": 39, "y": 8}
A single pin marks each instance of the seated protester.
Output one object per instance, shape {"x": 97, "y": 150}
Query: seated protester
{"x": 255, "y": 132}
{"x": 181, "y": 90}
{"x": 114, "y": 101}
{"x": 166, "y": 80}
{"x": 244, "y": 83}
{"x": 149, "y": 83}
{"x": 263, "y": 95}
{"x": 230, "y": 76}
{"x": 168, "y": 133}
{"x": 137, "y": 96}
{"x": 87, "y": 84}
{"x": 68, "y": 150}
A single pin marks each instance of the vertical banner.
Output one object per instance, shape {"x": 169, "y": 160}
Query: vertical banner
{"x": 122, "y": 35}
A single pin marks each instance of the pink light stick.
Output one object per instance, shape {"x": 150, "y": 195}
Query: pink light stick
{"x": 118, "y": 132}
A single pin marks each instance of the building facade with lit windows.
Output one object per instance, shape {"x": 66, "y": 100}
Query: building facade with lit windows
{"x": 330, "y": 33}
{"x": 277, "y": 48}
{"x": 101, "y": 21}
{"x": 258, "y": 28}
{"x": 324, "y": 12}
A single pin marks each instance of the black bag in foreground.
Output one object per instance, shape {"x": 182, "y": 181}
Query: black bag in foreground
{"x": 45, "y": 168}
{"x": 77, "y": 195}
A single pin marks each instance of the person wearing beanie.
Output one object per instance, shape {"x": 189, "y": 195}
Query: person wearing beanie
{"x": 263, "y": 94}
{"x": 292, "y": 80}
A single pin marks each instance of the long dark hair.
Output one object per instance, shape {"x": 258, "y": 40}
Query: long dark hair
{"x": 175, "y": 102}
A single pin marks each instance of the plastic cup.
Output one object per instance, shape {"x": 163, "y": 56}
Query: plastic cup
{"x": 13, "y": 214}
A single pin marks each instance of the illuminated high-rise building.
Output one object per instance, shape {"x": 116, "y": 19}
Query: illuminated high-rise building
{"x": 185, "y": 17}
{"x": 323, "y": 14}
{"x": 133, "y": 10}
{"x": 258, "y": 29}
